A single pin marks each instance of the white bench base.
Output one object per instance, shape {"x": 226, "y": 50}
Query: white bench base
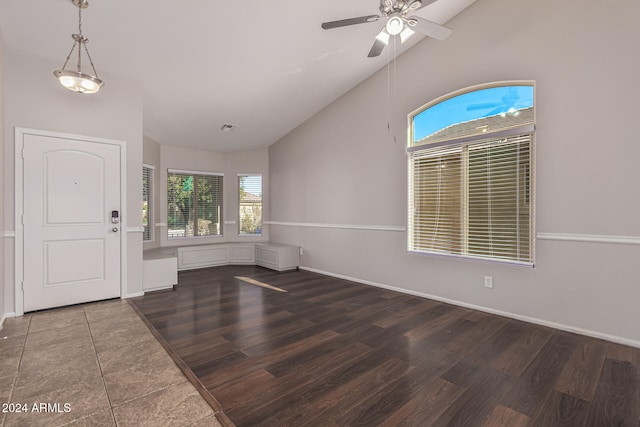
{"x": 277, "y": 256}
{"x": 201, "y": 256}
{"x": 159, "y": 269}
{"x": 160, "y": 266}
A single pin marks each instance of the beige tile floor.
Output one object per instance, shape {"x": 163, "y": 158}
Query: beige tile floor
{"x": 103, "y": 362}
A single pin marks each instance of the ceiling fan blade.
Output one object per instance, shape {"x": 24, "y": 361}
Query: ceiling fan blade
{"x": 377, "y": 48}
{"x": 350, "y": 21}
{"x": 429, "y": 28}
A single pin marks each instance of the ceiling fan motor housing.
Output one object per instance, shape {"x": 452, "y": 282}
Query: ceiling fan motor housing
{"x": 388, "y": 7}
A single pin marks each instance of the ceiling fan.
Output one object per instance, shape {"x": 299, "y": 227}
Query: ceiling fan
{"x": 398, "y": 23}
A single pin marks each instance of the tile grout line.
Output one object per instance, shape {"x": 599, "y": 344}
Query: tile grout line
{"x": 104, "y": 384}
{"x": 24, "y": 345}
{"x": 15, "y": 377}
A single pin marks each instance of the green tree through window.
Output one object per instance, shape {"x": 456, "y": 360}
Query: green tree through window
{"x": 195, "y": 205}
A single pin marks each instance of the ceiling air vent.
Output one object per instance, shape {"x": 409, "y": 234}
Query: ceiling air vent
{"x": 227, "y": 127}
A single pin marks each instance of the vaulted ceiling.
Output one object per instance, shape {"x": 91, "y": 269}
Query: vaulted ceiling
{"x": 264, "y": 66}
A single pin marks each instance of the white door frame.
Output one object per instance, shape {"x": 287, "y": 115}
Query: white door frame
{"x": 19, "y": 207}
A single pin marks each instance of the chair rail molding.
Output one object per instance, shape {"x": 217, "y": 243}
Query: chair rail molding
{"x": 590, "y": 238}
{"x": 400, "y": 228}
{"x": 567, "y": 237}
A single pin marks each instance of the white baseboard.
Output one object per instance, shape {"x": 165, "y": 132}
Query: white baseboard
{"x": 133, "y": 295}
{"x": 5, "y": 317}
{"x": 161, "y": 288}
{"x": 534, "y": 320}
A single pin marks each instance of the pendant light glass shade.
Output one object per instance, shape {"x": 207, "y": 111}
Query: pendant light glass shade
{"x": 77, "y": 80}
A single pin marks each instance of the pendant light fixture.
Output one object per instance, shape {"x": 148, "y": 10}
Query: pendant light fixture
{"x": 76, "y": 80}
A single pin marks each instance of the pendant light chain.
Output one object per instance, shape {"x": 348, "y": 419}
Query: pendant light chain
{"x": 84, "y": 41}
{"x": 95, "y": 73}
{"x": 69, "y": 55}
{"x": 80, "y": 18}
{"x": 81, "y": 39}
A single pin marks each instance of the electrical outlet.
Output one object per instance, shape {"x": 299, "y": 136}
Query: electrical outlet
{"x": 301, "y": 251}
{"x": 488, "y": 282}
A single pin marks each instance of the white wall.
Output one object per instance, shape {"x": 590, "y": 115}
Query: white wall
{"x": 344, "y": 167}
{"x": 35, "y": 100}
{"x": 3, "y": 285}
{"x": 230, "y": 164}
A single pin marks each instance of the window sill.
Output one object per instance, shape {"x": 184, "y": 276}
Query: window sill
{"x": 474, "y": 258}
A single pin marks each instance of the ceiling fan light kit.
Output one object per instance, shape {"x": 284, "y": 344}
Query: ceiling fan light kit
{"x": 398, "y": 23}
{"x": 77, "y": 80}
{"x": 395, "y": 24}
{"x": 383, "y": 36}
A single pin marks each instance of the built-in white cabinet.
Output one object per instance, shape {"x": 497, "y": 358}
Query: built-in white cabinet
{"x": 190, "y": 257}
{"x": 277, "y": 256}
{"x": 159, "y": 269}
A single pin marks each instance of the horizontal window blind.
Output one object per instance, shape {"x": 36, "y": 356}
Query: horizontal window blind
{"x": 473, "y": 199}
{"x": 147, "y": 203}
{"x": 250, "y": 197}
{"x": 194, "y": 204}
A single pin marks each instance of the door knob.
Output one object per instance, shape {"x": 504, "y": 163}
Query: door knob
{"x": 114, "y": 229}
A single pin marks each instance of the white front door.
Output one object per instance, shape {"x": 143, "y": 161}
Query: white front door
{"x": 71, "y": 246}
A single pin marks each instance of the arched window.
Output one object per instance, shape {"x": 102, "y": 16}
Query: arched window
{"x": 471, "y": 174}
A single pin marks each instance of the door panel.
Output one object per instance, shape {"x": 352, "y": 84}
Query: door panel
{"x": 58, "y": 271}
{"x": 71, "y": 248}
{"x": 70, "y": 200}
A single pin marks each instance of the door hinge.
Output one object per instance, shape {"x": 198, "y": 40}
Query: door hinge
{"x": 22, "y": 219}
{"x": 23, "y": 153}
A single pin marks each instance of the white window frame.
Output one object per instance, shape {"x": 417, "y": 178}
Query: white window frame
{"x": 221, "y": 206}
{"x": 240, "y": 234}
{"x": 150, "y": 203}
{"x": 460, "y": 143}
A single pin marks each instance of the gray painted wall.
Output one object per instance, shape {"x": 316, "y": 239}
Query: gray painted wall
{"x": 3, "y": 285}
{"x": 34, "y": 99}
{"x": 344, "y": 167}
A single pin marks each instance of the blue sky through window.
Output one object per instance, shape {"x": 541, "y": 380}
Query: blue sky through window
{"x": 470, "y": 106}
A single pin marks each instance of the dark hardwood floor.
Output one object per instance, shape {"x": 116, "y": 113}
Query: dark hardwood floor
{"x": 329, "y": 352}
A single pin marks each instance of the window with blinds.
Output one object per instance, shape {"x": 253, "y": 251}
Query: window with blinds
{"x": 194, "y": 204}
{"x": 471, "y": 176}
{"x": 250, "y": 197}
{"x": 147, "y": 203}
